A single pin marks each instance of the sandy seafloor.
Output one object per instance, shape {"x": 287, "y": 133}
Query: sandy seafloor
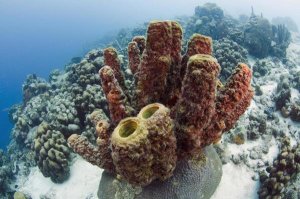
{"x": 238, "y": 181}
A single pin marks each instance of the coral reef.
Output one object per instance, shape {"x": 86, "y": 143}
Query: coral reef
{"x": 83, "y": 73}
{"x": 28, "y": 117}
{"x": 6, "y": 174}
{"x": 295, "y": 111}
{"x": 33, "y": 86}
{"x": 52, "y": 153}
{"x": 284, "y": 168}
{"x": 258, "y": 36}
{"x": 257, "y": 125}
{"x": 210, "y": 20}
{"x": 66, "y": 104}
{"x": 288, "y": 105}
{"x": 281, "y": 38}
{"x": 62, "y": 114}
{"x": 260, "y": 68}
{"x": 287, "y": 21}
{"x": 262, "y": 38}
{"x": 182, "y": 106}
{"x": 255, "y": 33}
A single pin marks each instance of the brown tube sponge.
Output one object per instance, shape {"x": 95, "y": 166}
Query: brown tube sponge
{"x": 173, "y": 87}
{"x": 133, "y": 57}
{"x": 99, "y": 155}
{"x": 156, "y": 61}
{"x": 141, "y": 43}
{"x": 118, "y": 104}
{"x": 156, "y": 118}
{"x": 197, "y": 103}
{"x": 104, "y": 130}
{"x": 232, "y": 101}
{"x": 131, "y": 151}
{"x": 198, "y": 44}
{"x": 93, "y": 154}
{"x": 111, "y": 59}
{"x": 135, "y": 51}
{"x": 143, "y": 147}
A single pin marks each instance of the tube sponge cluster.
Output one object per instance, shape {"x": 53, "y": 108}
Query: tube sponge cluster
{"x": 180, "y": 103}
{"x": 143, "y": 147}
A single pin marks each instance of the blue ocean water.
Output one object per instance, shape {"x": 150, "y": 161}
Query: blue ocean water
{"x": 38, "y": 37}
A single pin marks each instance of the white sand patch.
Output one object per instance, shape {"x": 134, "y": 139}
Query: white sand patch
{"x": 269, "y": 88}
{"x": 82, "y": 184}
{"x": 236, "y": 183}
{"x": 251, "y": 60}
{"x": 294, "y": 94}
{"x": 252, "y": 106}
{"x": 273, "y": 152}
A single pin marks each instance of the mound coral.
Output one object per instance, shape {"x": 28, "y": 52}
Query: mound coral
{"x": 180, "y": 106}
{"x": 229, "y": 54}
{"x": 279, "y": 181}
{"x": 52, "y": 153}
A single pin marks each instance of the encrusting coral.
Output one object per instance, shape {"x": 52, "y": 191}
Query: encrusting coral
{"x": 180, "y": 104}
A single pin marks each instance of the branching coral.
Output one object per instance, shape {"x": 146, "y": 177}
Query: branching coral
{"x": 282, "y": 39}
{"x": 181, "y": 107}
